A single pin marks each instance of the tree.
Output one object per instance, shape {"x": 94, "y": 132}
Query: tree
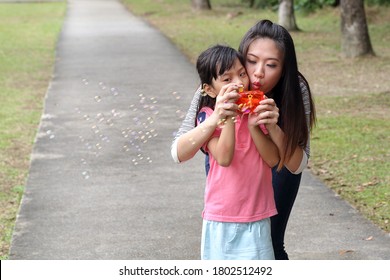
{"x": 201, "y": 5}
{"x": 355, "y": 39}
{"x": 286, "y": 15}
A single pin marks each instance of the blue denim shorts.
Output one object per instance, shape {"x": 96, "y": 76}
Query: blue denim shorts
{"x": 237, "y": 241}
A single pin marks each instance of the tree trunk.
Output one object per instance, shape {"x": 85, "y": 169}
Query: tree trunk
{"x": 336, "y": 3}
{"x": 201, "y": 5}
{"x": 286, "y": 15}
{"x": 355, "y": 40}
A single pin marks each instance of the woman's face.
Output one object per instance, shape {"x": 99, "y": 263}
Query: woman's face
{"x": 264, "y": 64}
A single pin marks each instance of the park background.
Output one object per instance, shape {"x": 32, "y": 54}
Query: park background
{"x": 350, "y": 144}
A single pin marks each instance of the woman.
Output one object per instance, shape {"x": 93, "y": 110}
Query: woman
{"x": 288, "y": 114}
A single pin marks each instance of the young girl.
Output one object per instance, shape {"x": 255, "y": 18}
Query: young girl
{"x": 288, "y": 114}
{"x": 239, "y": 199}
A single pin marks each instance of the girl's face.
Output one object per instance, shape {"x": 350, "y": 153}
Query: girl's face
{"x": 236, "y": 75}
{"x": 264, "y": 64}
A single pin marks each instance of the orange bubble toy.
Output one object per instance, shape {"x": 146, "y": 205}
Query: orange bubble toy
{"x": 249, "y": 100}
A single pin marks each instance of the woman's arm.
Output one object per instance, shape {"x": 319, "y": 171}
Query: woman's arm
{"x": 302, "y": 153}
{"x": 297, "y": 162}
{"x": 189, "y": 139}
{"x": 268, "y": 114}
{"x": 190, "y": 142}
{"x": 186, "y": 126}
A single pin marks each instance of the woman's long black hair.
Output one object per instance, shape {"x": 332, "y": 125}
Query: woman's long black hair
{"x": 287, "y": 93}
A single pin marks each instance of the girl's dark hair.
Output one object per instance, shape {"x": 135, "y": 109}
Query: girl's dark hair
{"x": 212, "y": 63}
{"x": 287, "y": 93}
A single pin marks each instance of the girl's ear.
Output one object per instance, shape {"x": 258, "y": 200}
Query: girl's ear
{"x": 209, "y": 90}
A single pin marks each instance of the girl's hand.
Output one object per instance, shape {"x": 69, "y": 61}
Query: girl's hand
{"x": 266, "y": 113}
{"x": 225, "y": 105}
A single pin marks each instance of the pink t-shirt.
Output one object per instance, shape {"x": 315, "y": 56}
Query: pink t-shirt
{"x": 241, "y": 192}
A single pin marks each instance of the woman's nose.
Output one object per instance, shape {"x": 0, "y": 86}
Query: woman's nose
{"x": 259, "y": 72}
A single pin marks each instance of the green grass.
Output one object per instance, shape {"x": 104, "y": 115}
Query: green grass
{"x": 351, "y": 152}
{"x": 28, "y": 35}
{"x": 350, "y": 145}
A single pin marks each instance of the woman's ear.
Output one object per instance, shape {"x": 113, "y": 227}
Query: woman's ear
{"x": 209, "y": 90}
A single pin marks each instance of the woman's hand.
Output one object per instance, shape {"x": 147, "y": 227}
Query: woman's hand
{"x": 266, "y": 113}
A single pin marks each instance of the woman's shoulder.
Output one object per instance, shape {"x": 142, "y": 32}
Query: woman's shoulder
{"x": 305, "y": 90}
{"x": 304, "y": 85}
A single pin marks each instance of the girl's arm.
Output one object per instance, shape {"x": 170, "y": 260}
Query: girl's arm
{"x": 222, "y": 147}
{"x": 265, "y": 146}
{"x": 189, "y": 139}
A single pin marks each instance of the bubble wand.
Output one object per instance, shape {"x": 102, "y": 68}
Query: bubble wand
{"x": 249, "y": 100}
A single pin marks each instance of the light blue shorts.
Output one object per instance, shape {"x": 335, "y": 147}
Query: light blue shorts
{"x": 237, "y": 241}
